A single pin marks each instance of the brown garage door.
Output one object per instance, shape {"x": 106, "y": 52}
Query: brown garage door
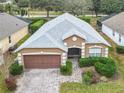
{"x": 42, "y": 61}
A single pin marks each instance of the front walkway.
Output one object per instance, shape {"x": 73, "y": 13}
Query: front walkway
{"x": 76, "y": 76}
{"x": 46, "y": 80}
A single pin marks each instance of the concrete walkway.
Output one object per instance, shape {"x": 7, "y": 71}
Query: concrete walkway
{"x": 46, "y": 80}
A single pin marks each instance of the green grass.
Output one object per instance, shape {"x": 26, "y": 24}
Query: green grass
{"x": 98, "y": 88}
{"x": 3, "y": 88}
{"x": 23, "y": 40}
{"x": 37, "y": 12}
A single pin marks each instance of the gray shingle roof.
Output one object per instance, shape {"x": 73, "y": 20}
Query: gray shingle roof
{"x": 116, "y": 23}
{"x": 10, "y": 24}
{"x": 55, "y": 30}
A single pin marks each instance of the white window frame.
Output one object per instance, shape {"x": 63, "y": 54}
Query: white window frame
{"x": 95, "y": 52}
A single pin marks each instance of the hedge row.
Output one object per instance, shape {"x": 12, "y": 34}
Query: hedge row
{"x": 90, "y": 61}
{"x": 103, "y": 66}
{"x": 120, "y": 49}
{"x": 108, "y": 68}
{"x": 36, "y": 24}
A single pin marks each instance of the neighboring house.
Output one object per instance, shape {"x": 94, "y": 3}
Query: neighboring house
{"x": 114, "y": 28}
{"x": 12, "y": 30}
{"x": 63, "y": 37}
{"x": 99, "y": 21}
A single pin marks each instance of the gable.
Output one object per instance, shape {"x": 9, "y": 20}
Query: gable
{"x": 61, "y": 28}
{"x": 74, "y": 41}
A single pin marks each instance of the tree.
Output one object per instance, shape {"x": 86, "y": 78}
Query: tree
{"x": 22, "y": 3}
{"x": 96, "y": 4}
{"x": 112, "y": 6}
{"x": 2, "y": 9}
{"x": 76, "y": 7}
{"x": 48, "y": 5}
{"x": 9, "y": 8}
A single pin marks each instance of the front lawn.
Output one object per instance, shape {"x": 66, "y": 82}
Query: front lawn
{"x": 112, "y": 87}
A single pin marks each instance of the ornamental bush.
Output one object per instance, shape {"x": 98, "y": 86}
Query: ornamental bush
{"x": 106, "y": 67}
{"x": 87, "y": 62}
{"x": 16, "y": 69}
{"x": 10, "y": 83}
{"x": 67, "y": 69}
{"x": 120, "y": 49}
{"x": 87, "y": 77}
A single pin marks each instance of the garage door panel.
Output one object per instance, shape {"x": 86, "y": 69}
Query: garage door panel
{"x": 42, "y": 61}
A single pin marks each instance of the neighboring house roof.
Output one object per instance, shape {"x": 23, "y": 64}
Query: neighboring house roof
{"x": 59, "y": 28}
{"x": 9, "y": 25}
{"x": 116, "y": 23}
{"x": 24, "y": 19}
{"x": 102, "y": 19}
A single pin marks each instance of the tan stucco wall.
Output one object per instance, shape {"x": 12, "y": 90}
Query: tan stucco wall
{"x": 87, "y": 46}
{"x": 15, "y": 37}
{"x": 71, "y": 43}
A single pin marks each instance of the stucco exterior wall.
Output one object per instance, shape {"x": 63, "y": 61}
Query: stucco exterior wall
{"x": 15, "y": 37}
{"x": 109, "y": 32}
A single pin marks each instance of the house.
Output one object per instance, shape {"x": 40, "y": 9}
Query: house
{"x": 63, "y": 37}
{"x": 12, "y": 30}
{"x": 114, "y": 28}
{"x": 100, "y": 20}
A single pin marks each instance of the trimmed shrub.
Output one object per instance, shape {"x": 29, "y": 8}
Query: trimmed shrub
{"x": 10, "y": 83}
{"x": 16, "y": 69}
{"x": 87, "y": 62}
{"x": 106, "y": 67}
{"x": 67, "y": 69}
{"x": 36, "y": 24}
{"x": 87, "y": 77}
{"x": 120, "y": 49}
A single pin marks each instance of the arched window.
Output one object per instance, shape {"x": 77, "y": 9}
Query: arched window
{"x": 95, "y": 52}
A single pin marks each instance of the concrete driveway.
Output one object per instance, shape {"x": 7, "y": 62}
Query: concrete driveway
{"x": 46, "y": 80}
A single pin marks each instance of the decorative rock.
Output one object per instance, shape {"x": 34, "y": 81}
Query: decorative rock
{"x": 104, "y": 79}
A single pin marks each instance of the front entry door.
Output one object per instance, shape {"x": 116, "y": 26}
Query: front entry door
{"x": 74, "y": 52}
